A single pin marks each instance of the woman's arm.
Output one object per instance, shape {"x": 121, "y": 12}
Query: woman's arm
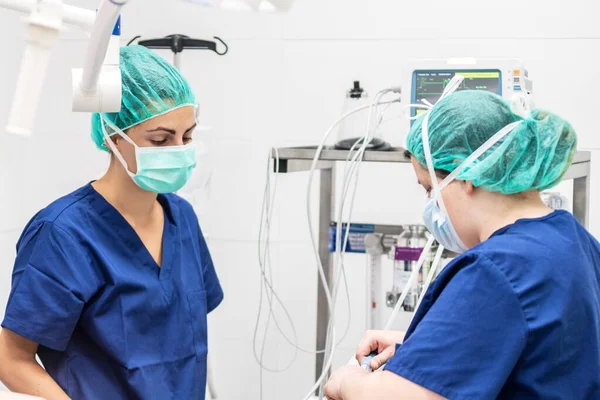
{"x": 19, "y": 370}
{"x": 354, "y": 383}
{"x": 385, "y": 386}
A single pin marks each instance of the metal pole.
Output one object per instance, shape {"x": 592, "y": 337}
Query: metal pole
{"x": 375, "y": 303}
{"x": 177, "y": 60}
{"x": 581, "y": 199}
{"x": 326, "y": 209}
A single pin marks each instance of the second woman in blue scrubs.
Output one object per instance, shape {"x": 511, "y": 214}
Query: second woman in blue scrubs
{"x": 112, "y": 283}
{"x": 517, "y": 314}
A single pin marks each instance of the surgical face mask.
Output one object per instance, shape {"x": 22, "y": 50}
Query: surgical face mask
{"x": 435, "y": 215}
{"x": 159, "y": 169}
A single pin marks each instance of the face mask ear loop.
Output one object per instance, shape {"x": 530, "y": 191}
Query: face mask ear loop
{"x": 428, "y": 158}
{"x": 437, "y": 193}
{"x": 452, "y": 86}
{"x": 407, "y": 109}
{"x": 116, "y": 131}
{"x": 112, "y": 145}
{"x": 521, "y": 105}
{"x": 479, "y": 152}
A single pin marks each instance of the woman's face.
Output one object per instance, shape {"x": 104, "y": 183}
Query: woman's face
{"x": 172, "y": 129}
{"x": 459, "y": 203}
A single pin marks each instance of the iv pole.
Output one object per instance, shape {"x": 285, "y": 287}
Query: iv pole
{"x": 177, "y": 43}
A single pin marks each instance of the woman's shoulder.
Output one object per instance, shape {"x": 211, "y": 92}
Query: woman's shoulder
{"x": 547, "y": 242}
{"x": 536, "y": 254}
{"x": 63, "y": 212}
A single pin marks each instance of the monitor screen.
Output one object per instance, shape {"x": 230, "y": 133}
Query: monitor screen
{"x": 429, "y": 85}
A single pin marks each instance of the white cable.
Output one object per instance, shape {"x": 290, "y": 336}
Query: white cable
{"x": 264, "y": 258}
{"x": 311, "y": 174}
{"x": 264, "y": 262}
{"x": 411, "y": 282}
{"x": 340, "y": 254}
{"x": 348, "y": 174}
{"x": 349, "y": 171}
{"x": 266, "y": 281}
{"x": 369, "y": 268}
{"x": 330, "y": 344}
{"x": 432, "y": 272}
{"x": 328, "y": 357}
{"x": 451, "y": 87}
{"x": 319, "y": 150}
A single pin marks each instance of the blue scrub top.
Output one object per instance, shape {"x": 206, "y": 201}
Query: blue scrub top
{"x": 515, "y": 317}
{"x": 110, "y": 323}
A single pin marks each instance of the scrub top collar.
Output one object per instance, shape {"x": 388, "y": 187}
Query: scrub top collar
{"x": 139, "y": 252}
{"x": 521, "y": 220}
{"x": 162, "y": 199}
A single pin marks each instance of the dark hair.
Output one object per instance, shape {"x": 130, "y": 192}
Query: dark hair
{"x": 439, "y": 172}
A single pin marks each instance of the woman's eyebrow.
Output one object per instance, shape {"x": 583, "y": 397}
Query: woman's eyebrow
{"x": 160, "y": 128}
{"x": 190, "y": 128}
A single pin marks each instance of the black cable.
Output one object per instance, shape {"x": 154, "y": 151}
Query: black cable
{"x": 133, "y": 40}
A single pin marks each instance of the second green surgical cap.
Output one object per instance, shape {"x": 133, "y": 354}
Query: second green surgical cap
{"x": 534, "y": 156}
{"x": 151, "y": 87}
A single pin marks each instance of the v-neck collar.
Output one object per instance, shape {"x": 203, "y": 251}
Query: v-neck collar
{"x": 132, "y": 240}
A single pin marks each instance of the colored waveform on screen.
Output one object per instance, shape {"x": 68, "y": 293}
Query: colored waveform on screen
{"x": 434, "y": 86}
{"x": 430, "y": 85}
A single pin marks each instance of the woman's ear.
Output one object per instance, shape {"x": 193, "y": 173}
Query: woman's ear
{"x": 114, "y": 139}
{"x": 468, "y": 186}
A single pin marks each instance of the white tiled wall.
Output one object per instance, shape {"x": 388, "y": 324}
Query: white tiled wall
{"x": 283, "y": 83}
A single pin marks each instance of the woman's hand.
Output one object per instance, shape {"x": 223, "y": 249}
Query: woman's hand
{"x": 333, "y": 389}
{"x": 20, "y": 372}
{"x": 384, "y": 342}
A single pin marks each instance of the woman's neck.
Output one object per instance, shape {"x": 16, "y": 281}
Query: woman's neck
{"x": 503, "y": 210}
{"x": 134, "y": 203}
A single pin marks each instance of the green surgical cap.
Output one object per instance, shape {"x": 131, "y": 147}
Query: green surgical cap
{"x": 534, "y": 156}
{"x": 151, "y": 87}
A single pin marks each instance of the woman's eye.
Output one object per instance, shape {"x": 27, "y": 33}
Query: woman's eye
{"x": 158, "y": 142}
{"x": 187, "y": 139}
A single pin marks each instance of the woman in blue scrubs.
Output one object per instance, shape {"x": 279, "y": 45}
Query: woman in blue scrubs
{"x": 517, "y": 314}
{"x": 112, "y": 283}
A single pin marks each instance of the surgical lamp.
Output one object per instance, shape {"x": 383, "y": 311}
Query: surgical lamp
{"x": 97, "y": 86}
{"x": 247, "y": 5}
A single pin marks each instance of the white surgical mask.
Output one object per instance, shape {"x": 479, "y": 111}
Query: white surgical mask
{"x": 159, "y": 169}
